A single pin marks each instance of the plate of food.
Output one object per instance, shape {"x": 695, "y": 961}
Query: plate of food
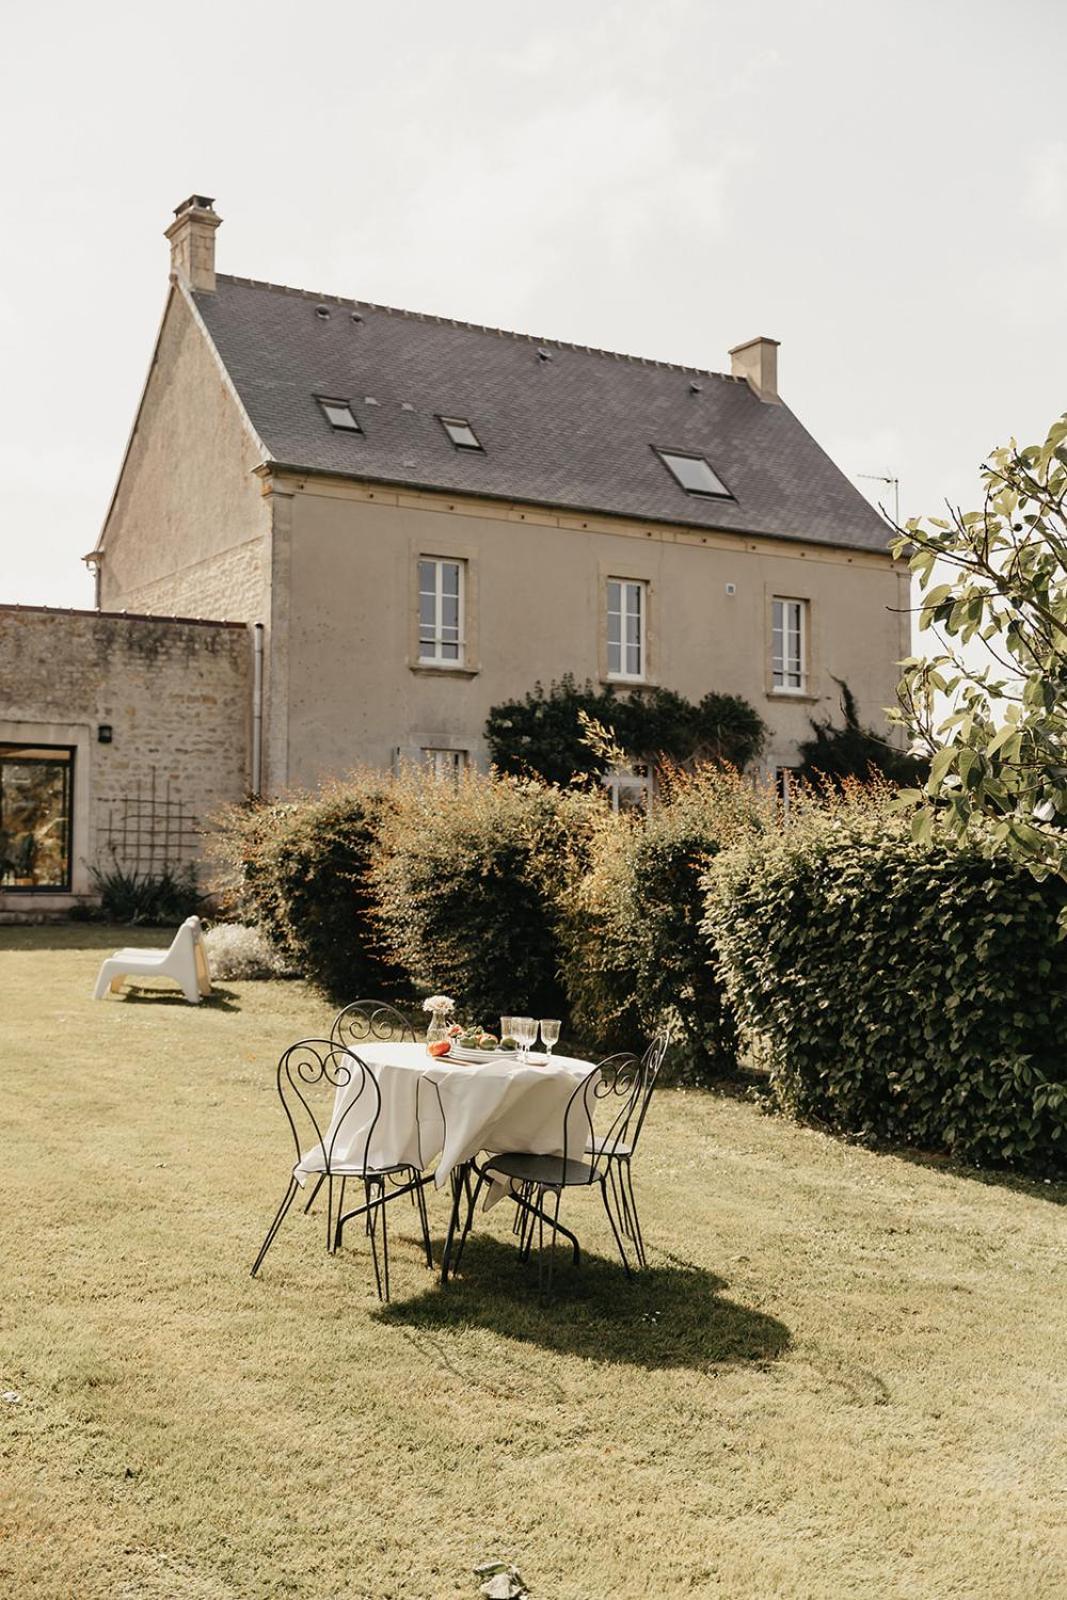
{"x": 475, "y": 1046}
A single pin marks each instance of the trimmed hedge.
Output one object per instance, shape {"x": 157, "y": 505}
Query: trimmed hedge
{"x": 904, "y": 993}
{"x": 467, "y": 880}
{"x": 637, "y": 956}
{"x": 300, "y": 871}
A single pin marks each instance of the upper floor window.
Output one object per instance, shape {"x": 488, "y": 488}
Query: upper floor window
{"x": 339, "y": 415}
{"x": 693, "y": 473}
{"x": 441, "y": 604}
{"x": 789, "y": 645}
{"x": 461, "y": 433}
{"x": 627, "y": 609}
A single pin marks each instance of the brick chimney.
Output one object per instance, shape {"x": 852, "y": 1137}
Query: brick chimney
{"x": 757, "y": 360}
{"x": 192, "y": 242}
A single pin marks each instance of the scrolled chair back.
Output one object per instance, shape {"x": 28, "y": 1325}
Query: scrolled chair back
{"x": 371, "y": 1022}
{"x": 612, "y": 1092}
{"x": 652, "y": 1062}
{"x": 310, "y": 1073}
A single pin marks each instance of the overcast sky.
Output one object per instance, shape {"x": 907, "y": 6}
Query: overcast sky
{"x": 882, "y": 188}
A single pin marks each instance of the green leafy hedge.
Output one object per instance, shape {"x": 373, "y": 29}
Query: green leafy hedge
{"x": 467, "y": 879}
{"x": 907, "y": 993}
{"x": 300, "y": 871}
{"x": 637, "y": 956}
{"x": 542, "y": 734}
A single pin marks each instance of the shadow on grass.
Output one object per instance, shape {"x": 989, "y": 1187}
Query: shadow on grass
{"x": 107, "y": 936}
{"x": 1052, "y": 1190}
{"x": 669, "y": 1316}
{"x": 217, "y": 1000}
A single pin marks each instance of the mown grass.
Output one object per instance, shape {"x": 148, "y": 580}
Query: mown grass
{"x": 840, "y": 1377}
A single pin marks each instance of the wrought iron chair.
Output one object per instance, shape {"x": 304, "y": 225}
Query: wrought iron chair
{"x": 366, "y": 1021}
{"x": 359, "y": 1023}
{"x": 619, "y": 1153}
{"x": 308, "y": 1072}
{"x": 617, "y": 1084}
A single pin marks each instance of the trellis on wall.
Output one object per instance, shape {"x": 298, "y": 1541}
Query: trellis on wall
{"x": 147, "y": 830}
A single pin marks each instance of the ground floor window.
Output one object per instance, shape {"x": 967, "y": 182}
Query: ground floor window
{"x": 36, "y": 789}
{"x": 446, "y": 763}
{"x": 629, "y": 790}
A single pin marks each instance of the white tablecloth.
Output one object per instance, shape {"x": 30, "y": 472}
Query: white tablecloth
{"x": 442, "y": 1109}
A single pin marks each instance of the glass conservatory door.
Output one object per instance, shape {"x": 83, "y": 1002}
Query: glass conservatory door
{"x": 35, "y": 816}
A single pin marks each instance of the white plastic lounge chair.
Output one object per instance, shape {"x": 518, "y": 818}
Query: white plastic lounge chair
{"x": 185, "y": 962}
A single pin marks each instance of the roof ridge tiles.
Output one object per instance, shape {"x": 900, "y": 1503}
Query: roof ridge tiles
{"x": 473, "y": 327}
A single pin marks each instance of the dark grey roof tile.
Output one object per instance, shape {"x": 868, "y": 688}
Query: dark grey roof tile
{"x": 575, "y": 432}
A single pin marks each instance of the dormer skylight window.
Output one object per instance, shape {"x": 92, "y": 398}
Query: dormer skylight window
{"x": 461, "y": 433}
{"x": 694, "y": 474}
{"x": 339, "y": 415}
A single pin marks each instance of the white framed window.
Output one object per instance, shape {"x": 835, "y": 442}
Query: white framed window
{"x": 627, "y": 628}
{"x": 629, "y": 790}
{"x": 441, "y": 611}
{"x": 447, "y": 765}
{"x": 789, "y": 645}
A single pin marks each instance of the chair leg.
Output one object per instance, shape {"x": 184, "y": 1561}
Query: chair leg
{"x": 372, "y": 1226}
{"x": 472, "y": 1201}
{"x": 618, "y": 1195}
{"x": 614, "y": 1228}
{"x": 420, "y": 1196}
{"x": 384, "y": 1209}
{"x": 638, "y": 1236}
{"x": 330, "y": 1245}
{"x": 314, "y": 1192}
{"x": 339, "y": 1225}
{"x": 545, "y": 1292}
{"x": 279, "y": 1218}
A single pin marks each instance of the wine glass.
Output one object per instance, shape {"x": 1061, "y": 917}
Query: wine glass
{"x": 525, "y": 1033}
{"x": 549, "y": 1036}
{"x": 507, "y": 1026}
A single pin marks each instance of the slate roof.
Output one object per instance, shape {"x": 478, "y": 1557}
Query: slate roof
{"x": 574, "y": 432}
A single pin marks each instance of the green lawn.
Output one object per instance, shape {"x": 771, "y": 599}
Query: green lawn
{"x": 842, "y": 1374}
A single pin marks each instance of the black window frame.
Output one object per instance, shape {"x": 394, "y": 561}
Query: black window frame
{"x": 325, "y": 400}
{"x": 662, "y": 451}
{"x": 447, "y": 423}
{"x": 7, "y": 749}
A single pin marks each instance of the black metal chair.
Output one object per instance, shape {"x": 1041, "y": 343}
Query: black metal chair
{"x": 362, "y": 1022}
{"x": 309, "y": 1072}
{"x": 619, "y": 1153}
{"x": 617, "y": 1084}
{"x": 371, "y": 1021}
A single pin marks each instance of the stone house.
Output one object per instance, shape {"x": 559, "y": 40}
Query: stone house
{"x": 417, "y": 518}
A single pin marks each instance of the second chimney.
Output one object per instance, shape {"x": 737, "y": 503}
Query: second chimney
{"x": 757, "y": 360}
{"x": 192, "y": 242}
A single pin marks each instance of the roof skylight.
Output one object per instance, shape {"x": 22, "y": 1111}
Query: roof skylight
{"x": 339, "y": 415}
{"x": 461, "y": 433}
{"x": 693, "y": 473}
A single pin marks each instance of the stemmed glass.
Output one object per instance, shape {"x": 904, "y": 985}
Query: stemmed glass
{"x": 525, "y": 1033}
{"x": 507, "y": 1027}
{"x": 549, "y": 1036}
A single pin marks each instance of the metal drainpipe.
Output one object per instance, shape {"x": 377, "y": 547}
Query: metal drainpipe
{"x": 257, "y": 709}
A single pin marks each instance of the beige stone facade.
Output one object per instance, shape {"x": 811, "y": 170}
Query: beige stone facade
{"x": 348, "y": 685}
{"x": 155, "y": 714}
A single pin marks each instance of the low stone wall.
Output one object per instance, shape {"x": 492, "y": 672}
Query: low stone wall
{"x": 158, "y": 713}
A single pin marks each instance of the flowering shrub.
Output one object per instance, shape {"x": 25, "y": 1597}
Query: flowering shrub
{"x": 235, "y": 951}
